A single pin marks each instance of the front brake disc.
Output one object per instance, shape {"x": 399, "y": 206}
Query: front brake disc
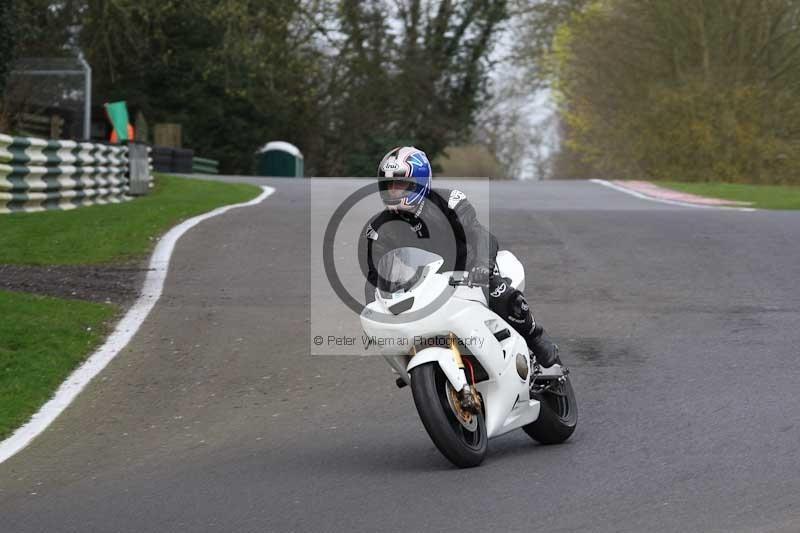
{"x": 464, "y": 417}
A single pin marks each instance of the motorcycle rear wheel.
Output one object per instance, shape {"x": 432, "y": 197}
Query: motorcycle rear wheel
{"x": 558, "y": 415}
{"x": 462, "y": 447}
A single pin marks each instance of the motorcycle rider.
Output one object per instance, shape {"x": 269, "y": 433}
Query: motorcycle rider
{"x": 445, "y": 223}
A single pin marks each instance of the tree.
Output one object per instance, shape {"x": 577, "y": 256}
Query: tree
{"x": 420, "y": 83}
{"x": 7, "y": 23}
{"x": 269, "y": 58}
{"x": 332, "y": 76}
{"x": 538, "y": 22}
{"x": 233, "y": 73}
{"x": 519, "y": 123}
{"x": 43, "y": 28}
{"x": 686, "y": 90}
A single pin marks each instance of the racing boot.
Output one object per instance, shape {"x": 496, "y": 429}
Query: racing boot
{"x": 521, "y": 317}
{"x": 545, "y": 350}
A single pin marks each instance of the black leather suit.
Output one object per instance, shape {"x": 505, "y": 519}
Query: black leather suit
{"x": 447, "y": 226}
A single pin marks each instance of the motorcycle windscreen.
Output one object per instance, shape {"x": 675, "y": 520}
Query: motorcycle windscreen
{"x": 400, "y": 269}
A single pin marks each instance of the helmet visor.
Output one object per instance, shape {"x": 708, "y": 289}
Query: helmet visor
{"x": 393, "y": 191}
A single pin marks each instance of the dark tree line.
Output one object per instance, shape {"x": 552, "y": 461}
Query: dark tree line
{"x": 344, "y": 80}
{"x": 6, "y": 39}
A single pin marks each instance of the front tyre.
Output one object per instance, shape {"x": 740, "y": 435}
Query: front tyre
{"x": 558, "y": 414}
{"x": 462, "y": 439}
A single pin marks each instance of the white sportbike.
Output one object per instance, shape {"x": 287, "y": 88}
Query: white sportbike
{"x": 471, "y": 374}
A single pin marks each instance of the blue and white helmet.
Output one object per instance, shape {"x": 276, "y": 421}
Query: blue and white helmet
{"x": 404, "y": 179}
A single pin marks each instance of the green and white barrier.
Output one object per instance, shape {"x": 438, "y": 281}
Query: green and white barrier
{"x": 201, "y": 165}
{"x": 37, "y": 174}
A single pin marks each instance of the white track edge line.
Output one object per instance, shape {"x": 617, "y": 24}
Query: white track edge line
{"x": 643, "y": 196}
{"x": 119, "y": 338}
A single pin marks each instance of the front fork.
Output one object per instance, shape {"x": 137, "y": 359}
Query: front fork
{"x": 467, "y": 396}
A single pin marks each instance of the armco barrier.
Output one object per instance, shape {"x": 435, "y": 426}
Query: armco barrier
{"x": 37, "y": 174}
{"x": 201, "y": 165}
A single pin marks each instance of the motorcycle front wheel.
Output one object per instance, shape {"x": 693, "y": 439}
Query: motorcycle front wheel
{"x": 460, "y": 438}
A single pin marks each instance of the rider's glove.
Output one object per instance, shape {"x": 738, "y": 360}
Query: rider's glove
{"x": 479, "y": 275}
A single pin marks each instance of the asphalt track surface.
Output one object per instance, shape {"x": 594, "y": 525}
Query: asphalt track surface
{"x": 681, "y": 326}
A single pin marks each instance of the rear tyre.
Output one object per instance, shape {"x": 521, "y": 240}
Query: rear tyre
{"x": 558, "y": 415}
{"x": 464, "y": 445}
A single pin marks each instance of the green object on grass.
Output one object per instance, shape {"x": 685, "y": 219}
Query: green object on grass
{"x": 118, "y": 115}
{"x": 761, "y": 196}
{"x": 280, "y": 159}
{"x": 42, "y": 340}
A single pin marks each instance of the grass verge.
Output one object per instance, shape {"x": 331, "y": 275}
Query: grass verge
{"x": 42, "y": 340}
{"x": 761, "y": 196}
{"x": 115, "y": 232}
